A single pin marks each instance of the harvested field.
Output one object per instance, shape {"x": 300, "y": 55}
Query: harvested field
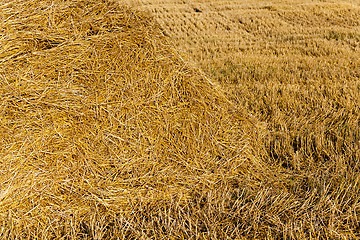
{"x": 295, "y": 66}
{"x": 109, "y": 132}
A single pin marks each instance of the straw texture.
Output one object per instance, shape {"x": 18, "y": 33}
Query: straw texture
{"x": 104, "y": 127}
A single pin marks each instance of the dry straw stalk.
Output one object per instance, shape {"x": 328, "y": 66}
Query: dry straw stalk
{"x": 104, "y": 127}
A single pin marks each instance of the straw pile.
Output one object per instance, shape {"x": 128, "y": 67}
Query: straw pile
{"x": 106, "y": 132}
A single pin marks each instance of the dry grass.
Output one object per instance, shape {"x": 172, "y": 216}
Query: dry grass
{"x": 107, "y": 133}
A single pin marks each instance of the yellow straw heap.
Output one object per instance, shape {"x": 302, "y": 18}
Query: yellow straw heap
{"x": 104, "y": 127}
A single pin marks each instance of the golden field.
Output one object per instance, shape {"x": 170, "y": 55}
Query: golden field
{"x": 169, "y": 119}
{"x": 294, "y": 66}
